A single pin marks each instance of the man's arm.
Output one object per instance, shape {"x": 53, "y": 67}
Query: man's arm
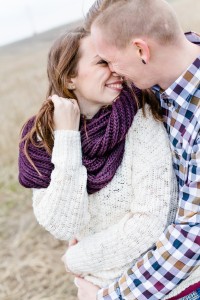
{"x": 176, "y": 254}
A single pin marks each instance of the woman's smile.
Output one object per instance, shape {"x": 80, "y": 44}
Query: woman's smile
{"x": 117, "y": 85}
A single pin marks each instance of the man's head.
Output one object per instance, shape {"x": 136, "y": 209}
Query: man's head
{"x": 132, "y": 36}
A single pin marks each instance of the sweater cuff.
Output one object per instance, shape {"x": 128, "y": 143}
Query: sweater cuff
{"x": 74, "y": 258}
{"x": 67, "y": 149}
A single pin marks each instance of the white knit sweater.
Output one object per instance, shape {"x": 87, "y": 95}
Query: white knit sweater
{"x": 116, "y": 225}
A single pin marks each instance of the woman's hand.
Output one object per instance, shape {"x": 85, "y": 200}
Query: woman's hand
{"x": 66, "y": 113}
{"x": 86, "y": 290}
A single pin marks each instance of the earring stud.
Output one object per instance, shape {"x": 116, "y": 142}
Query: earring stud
{"x": 71, "y": 86}
{"x": 144, "y": 62}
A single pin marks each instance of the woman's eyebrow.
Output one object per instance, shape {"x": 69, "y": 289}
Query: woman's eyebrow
{"x": 100, "y": 57}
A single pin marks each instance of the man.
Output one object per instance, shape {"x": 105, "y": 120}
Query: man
{"x": 143, "y": 41}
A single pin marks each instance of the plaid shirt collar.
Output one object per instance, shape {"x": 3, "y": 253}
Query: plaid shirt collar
{"x": 182, "y": 90}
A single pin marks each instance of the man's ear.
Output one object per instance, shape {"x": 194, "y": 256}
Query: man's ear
{"x": 143, "y": 50}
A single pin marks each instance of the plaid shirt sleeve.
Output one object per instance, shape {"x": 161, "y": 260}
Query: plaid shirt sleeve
{"x": 176, "y": 254}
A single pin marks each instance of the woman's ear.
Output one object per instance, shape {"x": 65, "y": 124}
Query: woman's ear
{"x": 71, "y": 85}
{"x": 143, "y": 50}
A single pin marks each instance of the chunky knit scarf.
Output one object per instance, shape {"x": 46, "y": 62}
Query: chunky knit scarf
{"x": 103, "y": 145}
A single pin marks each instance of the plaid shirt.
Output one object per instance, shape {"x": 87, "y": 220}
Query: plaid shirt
{"x": 177, "y": 251}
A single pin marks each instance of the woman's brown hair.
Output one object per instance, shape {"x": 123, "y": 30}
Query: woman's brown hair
{"x": 61, "y": 66}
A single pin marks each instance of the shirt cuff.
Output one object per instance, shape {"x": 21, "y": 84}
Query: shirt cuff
{"x": 110, "y": 293}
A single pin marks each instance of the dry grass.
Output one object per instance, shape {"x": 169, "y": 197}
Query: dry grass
{"x": 30, "y": 258}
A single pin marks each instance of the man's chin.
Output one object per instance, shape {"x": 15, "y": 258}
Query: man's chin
{"x": 142, "y": 86}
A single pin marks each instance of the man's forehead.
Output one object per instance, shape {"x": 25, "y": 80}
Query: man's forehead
{"x": 98, "y": 35}
{"x": 104, "y": 48}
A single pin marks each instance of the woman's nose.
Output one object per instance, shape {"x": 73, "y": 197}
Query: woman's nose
{"x": 117, "y": 75}
{"x": 111, "y": 67}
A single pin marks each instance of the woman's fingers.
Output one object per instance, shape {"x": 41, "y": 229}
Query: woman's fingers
{"x": 72, "y": 242}
{"x": 86, "y": 290}
{"x": 66, "y": 113}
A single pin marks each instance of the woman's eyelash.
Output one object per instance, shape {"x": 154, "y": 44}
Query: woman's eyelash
{"x": 101, "y": 62}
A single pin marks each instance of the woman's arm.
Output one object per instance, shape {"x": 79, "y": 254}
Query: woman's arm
{"x": 62, "y": 208}
{"x": 153, "y": 205}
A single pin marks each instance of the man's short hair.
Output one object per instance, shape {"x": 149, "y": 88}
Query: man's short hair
{"x": 127, "y": 19}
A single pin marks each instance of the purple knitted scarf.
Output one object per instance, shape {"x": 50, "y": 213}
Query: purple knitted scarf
{"x": 103, "y": 144}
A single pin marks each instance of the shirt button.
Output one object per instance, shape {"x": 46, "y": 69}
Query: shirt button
{"x": 167, "y": 102}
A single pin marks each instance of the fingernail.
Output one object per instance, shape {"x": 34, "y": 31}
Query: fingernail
{"x": 76, "y": 282}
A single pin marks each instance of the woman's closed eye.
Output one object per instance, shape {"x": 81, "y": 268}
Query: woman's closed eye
{"x": 102, "y": 62}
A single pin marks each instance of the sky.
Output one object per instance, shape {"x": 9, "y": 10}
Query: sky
{"x": 20, "y": 19}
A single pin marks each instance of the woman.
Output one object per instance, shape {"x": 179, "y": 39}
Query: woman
{"x": 112, "y": 185}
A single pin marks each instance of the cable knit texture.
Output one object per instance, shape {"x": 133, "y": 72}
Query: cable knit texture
{"x": 117, "y": 224}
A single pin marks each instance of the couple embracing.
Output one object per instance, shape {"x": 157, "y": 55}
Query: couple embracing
{"x": 113, "y": 155}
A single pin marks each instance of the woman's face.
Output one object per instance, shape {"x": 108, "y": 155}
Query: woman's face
{"x": 95, "y": 84}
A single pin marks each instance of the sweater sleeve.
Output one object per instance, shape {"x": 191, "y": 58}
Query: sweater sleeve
{"x": 154, "y": 190}
{"x": 62, "y": 207}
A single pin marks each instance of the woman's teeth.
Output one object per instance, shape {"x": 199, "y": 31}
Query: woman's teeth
{"x": 115, "y": 85}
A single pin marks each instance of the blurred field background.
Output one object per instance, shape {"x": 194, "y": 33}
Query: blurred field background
{"x": 30, "y": 266}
